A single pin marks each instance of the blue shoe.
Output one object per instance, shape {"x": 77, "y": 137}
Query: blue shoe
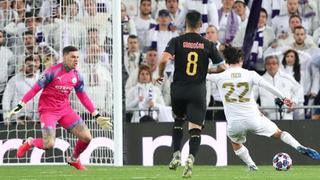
{"x": 309, "y": 152}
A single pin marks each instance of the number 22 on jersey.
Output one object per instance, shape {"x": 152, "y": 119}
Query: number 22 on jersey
{"x": 242, "y": 87}
{"x": 192, "y": 65}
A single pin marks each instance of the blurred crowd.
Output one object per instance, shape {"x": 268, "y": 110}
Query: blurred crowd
{"x": 285, "y": 51}
{"x": 32, "y": 36}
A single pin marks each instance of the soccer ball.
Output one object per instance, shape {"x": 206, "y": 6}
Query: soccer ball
{"x": 282, "y": 162}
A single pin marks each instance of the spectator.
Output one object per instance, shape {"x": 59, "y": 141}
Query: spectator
{"x": 280, "y": 23}
{"x": 263, "y": 38}
{"x": 316, "y": 37}
{"x": 128, "y": 25}
{"x": 144, "y": 95}
{"x": 159, "y": 36}
{"x": 97, "y": 17}
{"x": 285, "y": 83}
{"x": 7, "y": 15}
{"x": 144, "y": 22}
{"x": 241, "y": 9}
{"x": 294, "y": 21}
{"x": 6, "y": 56}
{"x": 97, "y": 78}
{"x": 300, "y": 43}
{"x": 228, "y": 22}
{"x": 173, "y": 7}
{"x": 207, "y": 9}
{"x": 133, "y": 57}
{"x": 17, "y": 86}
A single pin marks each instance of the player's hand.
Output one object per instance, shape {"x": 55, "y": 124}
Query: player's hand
{"x": 14, "y": 111}
{"x": 288, "y": 102}
{"x": 104, "y": 122}
{"x": 159, "y": 80}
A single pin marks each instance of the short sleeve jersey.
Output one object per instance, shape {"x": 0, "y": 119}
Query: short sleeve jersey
{"x": 191, "y": 55}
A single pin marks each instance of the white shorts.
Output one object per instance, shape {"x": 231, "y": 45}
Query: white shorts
{"x": 260, "y": 125}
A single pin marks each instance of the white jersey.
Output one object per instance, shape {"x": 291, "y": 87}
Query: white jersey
{"x": 235, "y": 88}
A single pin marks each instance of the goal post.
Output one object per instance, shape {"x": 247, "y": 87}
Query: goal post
{"x": 117, "y": 81}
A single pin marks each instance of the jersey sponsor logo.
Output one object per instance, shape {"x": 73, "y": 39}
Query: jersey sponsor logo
{"x": 192, "y": 45}
{"x": 236, "y": 75}
{"x": 74, "y": 80}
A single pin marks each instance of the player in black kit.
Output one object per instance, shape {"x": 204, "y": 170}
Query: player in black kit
{"x": 191, "y": 53}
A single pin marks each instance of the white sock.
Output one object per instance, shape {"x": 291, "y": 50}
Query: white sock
{"x": 244, "y": 155}
{"x": 288, "y": 139}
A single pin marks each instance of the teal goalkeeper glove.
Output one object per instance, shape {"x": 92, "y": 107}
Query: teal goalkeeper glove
{"x": 15, "y": 110}
{"x": 104, "y": 122}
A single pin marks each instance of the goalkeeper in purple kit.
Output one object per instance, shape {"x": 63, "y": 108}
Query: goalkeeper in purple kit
{"x": 54, "y": 107}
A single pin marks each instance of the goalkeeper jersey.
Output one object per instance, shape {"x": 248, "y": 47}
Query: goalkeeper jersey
{"x": 57, "y": 84}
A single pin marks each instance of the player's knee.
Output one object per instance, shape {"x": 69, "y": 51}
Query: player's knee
{"x": 87, "y": 139}
{"x": 277, "y": 134}
{"x": 195, "y": 132}
{"x": 48, "y": 144}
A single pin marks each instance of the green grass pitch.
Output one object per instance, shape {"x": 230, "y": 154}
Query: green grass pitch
{"x": 156, "y": 172}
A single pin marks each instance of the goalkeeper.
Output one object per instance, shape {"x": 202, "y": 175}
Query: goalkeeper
{"x": 54, "y": 107}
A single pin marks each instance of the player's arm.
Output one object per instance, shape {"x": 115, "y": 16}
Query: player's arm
{"x": 42, "y": 82}
{"x": 216, "y": 58}
{"x": 166, "y": 56}
{"x": 104, "y": 122}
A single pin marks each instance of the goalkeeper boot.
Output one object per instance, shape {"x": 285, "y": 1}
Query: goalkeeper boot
{"x": 76, "y": 163}
{"x": 175, "y": 162}
{"x": 309, "y": 152}
{"x": 187, "y": 173}
{"x": 26, "y": 146}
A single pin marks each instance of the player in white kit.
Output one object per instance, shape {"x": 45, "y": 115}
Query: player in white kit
{"x": 242, "y": 113}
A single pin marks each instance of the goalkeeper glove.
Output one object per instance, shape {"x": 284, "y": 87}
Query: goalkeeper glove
{"x": 15, "y": 110}
{"x": 104, "y": 122}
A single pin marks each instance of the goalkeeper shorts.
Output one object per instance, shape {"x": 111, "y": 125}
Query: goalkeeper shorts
{"x": 67, "y": 119}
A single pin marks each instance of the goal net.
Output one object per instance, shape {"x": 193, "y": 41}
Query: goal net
{"x": 38, "y": 30}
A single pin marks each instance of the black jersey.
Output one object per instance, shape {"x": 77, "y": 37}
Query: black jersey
{"x": 192, "y": 53}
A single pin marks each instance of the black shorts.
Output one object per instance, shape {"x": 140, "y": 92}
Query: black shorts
{"x": 189, "y": 100}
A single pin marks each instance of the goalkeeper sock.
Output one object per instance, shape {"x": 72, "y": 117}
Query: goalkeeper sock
{"x": 244, "y": 155}
{"x": 288, "y": 139}
{"x": 80, "y": 147}
{"x": 177, "y": 134}
{"x": 194, "y": 142}
{"x": 37, "y": 143}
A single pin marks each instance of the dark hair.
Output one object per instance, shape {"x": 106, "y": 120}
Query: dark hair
{"x": 166, "y": 1}
{"x": 193, "y": 19}
{"x": 144, "y": 1}
{"x": 92, "y": 30}
{"x": 28, "y": 58}
{"x": 296, "y": 65}
{"x": 299, "y": 27}
{"x": 145, "y": 68}
{"x": 295, "y": 16}
{"x": 232, "y": 55}
{"x": 66, "y": 50}
{"x": 28, "y": 33}
{"x": 264, "y": 11}
{"x": 152, "y": 49}
{"x": 132, "y": 36}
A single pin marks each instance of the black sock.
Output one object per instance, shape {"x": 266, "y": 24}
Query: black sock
{"x": 194, "y": 142}
{"x": 177, "y": 134}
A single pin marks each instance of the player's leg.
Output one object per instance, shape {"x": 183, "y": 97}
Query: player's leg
{"x": 237, "y": 135}
{"x": 48, "y": 128}
{"x": 290, "y": 140}
{"x": 73, "y": 122}
{"x": 269, "y": 128}
{"x": 179, "y": 109}
{"x": 243, "y": 153}
{"x": 196, "y": 111}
